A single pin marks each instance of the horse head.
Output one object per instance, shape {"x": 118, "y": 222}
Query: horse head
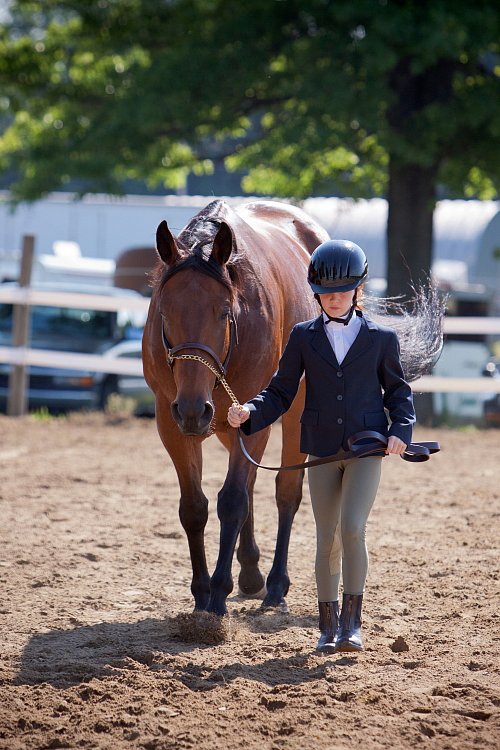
{"x": 196, "y": 303}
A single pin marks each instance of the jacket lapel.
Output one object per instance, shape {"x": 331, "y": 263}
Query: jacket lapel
{"x": 321, "y": 344}
{"x": 361, "y": 343}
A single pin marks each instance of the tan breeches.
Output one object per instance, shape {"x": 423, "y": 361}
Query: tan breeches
{"x": 342, "y": 496}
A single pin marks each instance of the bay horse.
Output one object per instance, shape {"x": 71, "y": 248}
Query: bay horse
{"x": 226, "y": 293}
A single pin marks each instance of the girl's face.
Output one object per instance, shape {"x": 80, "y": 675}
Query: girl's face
{"x": 337, "y": 304}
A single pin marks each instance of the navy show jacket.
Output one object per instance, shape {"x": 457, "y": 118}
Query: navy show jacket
{"x": 340, "y": 399}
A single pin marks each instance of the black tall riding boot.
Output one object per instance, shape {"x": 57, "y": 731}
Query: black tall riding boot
{"x": 349, "y": 631}
{"x": 328, "y": 624}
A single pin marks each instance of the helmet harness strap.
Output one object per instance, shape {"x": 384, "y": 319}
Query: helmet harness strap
{"x": 345, "y": 320}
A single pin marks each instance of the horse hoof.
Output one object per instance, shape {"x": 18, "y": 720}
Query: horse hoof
{"x": 279, "y": 605}
{"x": 257, "y": 595}
{"x": 216, "y": 608}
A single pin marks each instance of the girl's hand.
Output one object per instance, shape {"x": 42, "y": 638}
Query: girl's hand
{"x": 236, "y": 415}
{"x": 395, "y": 445}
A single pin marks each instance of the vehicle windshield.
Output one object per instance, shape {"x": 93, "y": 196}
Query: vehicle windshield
{"x": 62, "y": 328}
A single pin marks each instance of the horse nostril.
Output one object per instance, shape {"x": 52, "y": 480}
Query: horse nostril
{"x": 208, "y": 412}
{"x": 174, "y": 408}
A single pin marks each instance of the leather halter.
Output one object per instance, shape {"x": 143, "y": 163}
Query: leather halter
{"x": 172, "y": 351}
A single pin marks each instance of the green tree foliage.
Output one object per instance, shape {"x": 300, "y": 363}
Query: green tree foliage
{"x": 387, "y": 97}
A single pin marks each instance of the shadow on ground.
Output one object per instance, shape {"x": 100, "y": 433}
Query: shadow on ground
{"x": 63, "y": 658}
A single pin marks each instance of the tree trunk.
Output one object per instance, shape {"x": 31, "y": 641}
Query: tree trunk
{"x": 411, "y": 199}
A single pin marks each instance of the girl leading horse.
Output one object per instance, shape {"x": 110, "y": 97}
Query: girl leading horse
{"x": 227, "y": 292}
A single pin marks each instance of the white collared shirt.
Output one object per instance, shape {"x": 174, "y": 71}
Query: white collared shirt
{"x": 342, "y": 337}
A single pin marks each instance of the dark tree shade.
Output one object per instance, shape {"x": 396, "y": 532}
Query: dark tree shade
{"x": 394, "y": 97}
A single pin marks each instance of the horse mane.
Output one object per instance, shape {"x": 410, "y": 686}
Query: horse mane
{"x": 195, "y": 245}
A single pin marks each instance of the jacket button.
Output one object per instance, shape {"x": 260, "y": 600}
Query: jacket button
{"x": 339, "y": 397}
{"x": 339, "y": 420}
{"x": 339, "y": 373}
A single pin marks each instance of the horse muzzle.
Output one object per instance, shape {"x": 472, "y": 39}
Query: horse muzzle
{"x": 193, "y": 418}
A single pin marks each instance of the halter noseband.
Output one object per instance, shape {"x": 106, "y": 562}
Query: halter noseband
{"x": 172, "y": 351}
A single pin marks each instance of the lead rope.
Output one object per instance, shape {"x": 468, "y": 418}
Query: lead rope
{"x": 415, "y": 452}
{"x": 220, "y": 378}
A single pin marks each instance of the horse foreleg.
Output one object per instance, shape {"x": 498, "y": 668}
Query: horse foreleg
{"x": 233, "y": 508}
{"x": 193, "y": 514}
{"x": 251, "y": 582}
{"x": 193, "y": 507}
{"x": 288, "y": 498}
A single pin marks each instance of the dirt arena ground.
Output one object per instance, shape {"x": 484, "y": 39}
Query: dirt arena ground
{"x": 94, "y": 573}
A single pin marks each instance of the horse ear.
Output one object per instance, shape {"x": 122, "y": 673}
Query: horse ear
{"x": 166, "y": 245}
{"x": 223, "y": 245}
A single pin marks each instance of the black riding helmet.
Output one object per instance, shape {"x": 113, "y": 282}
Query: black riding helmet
{"x": 337, "y": 266}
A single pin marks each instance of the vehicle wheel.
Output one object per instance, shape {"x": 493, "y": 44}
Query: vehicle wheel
{"x": 108, "y": 389}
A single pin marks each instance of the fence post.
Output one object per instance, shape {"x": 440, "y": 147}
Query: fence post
{"x": 17, "y": 402}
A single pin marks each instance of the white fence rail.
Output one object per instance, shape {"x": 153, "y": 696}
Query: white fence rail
{"x": 437, "y": 384}
{"x": 29, "y": 296}
{"x": 26, "y": 356}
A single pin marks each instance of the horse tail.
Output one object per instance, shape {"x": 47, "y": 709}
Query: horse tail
{"x": 418, "y": 324}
